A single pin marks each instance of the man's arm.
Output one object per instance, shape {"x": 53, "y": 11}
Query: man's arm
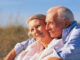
{"x": 11, "y": 55}
{"x": 51, "y": 57}
{"x": 71, "y": 49}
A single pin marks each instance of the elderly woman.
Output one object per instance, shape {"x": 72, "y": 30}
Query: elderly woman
{"x": 37, "y": 28}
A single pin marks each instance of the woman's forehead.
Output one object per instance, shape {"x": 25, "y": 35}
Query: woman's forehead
{"x": 35, "y": 23}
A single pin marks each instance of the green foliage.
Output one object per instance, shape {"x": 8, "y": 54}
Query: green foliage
{"x": 9, "y": 36}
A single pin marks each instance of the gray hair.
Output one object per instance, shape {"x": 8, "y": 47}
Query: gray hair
{"x": 65, "y": 13}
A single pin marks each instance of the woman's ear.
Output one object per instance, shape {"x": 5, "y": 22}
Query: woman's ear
{"x": 67, "y": 22}
{"x": 30, "y": 34}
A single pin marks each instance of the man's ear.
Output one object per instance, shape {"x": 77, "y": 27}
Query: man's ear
{"x": 67, "y": 22}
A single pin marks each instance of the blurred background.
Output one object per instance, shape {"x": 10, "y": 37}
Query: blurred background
{"x": 13, "y": 15}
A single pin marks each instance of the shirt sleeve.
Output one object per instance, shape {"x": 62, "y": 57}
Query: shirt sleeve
{"x": 54, "y": 54}
{"x": 23, "y": 45}
{"x": 71, "y": 49}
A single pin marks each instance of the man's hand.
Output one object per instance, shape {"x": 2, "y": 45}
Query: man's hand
{"x": 54, "y": 58}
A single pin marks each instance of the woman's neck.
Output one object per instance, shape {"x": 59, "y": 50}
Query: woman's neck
{"x": 45, "y": 41}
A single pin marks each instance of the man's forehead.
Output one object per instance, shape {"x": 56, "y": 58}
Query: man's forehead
{"x": 50, "y": 16}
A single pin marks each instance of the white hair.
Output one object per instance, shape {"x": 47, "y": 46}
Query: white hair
{"x": 65, "y": 13}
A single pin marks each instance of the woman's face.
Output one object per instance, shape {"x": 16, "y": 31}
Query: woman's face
{"x": 37, "y": 29}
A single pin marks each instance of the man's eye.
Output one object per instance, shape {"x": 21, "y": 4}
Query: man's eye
{"x": 38, "y": 26}
{"x": 51, "y": 23}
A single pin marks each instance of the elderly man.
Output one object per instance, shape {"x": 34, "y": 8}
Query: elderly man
{"x": 61, "y": 24}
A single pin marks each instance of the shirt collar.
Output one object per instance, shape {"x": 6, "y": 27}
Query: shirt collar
{"x": 66, "y": 31}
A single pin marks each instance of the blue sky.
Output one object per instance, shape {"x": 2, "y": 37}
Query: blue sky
{"x": 17, "y": 11}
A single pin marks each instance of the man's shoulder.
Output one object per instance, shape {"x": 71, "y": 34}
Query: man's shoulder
{"x": 75, "y": 30}
{"x": 74, "y": 35}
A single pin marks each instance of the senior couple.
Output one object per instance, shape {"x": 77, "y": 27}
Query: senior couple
{"x": 57, "y": 37}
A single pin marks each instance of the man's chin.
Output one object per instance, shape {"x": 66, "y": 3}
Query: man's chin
{"x": 52, "y": 36}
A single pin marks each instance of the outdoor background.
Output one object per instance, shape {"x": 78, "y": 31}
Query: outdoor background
{"x": 13, "y": 15}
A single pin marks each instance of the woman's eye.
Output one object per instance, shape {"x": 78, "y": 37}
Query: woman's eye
{"x": 32, "y": 30}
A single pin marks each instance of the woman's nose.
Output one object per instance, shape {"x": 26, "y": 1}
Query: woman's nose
{"x": 35, "y": 30}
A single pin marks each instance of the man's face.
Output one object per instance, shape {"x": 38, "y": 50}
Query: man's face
{"x": 54, "y": 25}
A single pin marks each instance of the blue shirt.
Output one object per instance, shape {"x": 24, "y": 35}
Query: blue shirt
{"x": 23, "y": 45}
{"x": 71, "y": 39}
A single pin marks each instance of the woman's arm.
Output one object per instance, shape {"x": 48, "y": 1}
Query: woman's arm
{"x": 11, "y": 55}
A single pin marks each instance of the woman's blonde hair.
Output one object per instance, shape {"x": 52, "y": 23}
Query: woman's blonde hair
{"x": 37, "y": 16}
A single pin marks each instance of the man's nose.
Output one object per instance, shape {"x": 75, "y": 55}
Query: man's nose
{"x": 47, "y": 27}
{"x": 35, "y": 30}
